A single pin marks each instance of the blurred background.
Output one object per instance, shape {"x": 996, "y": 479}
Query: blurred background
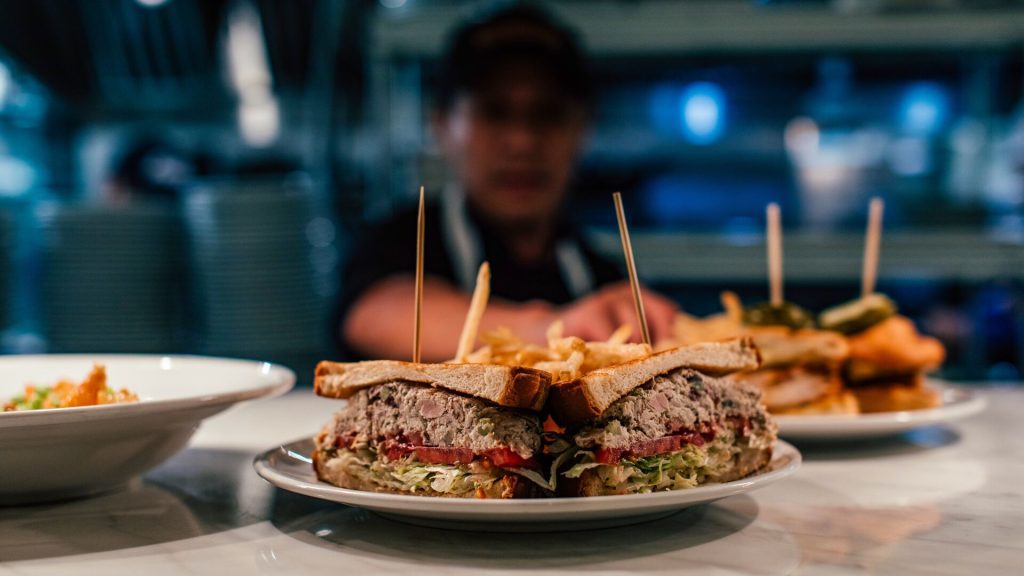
{"x": 183, "y": 175}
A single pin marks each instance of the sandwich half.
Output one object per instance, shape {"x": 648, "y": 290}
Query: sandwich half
{"x": 664, "y": 422}
{"x": 451, "y": 430}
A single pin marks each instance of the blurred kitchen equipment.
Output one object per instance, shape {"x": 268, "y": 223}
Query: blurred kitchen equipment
{"x": 257, "y": 286}
{"x": 109, "y": 277}
{"x": 6, "y": 268}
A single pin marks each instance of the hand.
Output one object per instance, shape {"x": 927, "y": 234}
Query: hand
{"x": 595, "y": 317}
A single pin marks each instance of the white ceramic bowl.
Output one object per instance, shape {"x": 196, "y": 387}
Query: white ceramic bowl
{"x": 70, "y": 452}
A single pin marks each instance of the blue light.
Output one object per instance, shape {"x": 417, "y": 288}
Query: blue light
{"x": 924, "y": 108}
{"x": 702, "y": 113}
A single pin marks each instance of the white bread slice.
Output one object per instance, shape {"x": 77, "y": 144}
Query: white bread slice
{"x": 575, "y": 402}
{"x": 780, "y": 346}
{"x": 514, "y": 387}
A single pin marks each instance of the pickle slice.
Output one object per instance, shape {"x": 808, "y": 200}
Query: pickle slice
{"x": 788, "y": 314}
{"x": 857, "y": 315}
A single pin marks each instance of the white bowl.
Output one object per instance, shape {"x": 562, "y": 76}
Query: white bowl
{"x": 70, "y": 452}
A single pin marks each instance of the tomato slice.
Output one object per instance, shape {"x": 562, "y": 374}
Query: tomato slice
{"x": 662, "y": 445}
{"x": 501, "y": 457}
{"x": 506, "y": 458}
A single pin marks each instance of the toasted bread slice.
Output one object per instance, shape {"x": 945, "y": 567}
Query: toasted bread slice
{"x": 575, "y": 402}
{"x": 513, "y": 387}
{"x": 780, "y": 346}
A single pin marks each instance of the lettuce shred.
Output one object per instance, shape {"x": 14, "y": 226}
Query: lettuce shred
{"x": 410, "y": 475}
{"x": 686, "y": 468}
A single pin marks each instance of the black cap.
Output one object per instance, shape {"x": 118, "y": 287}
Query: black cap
{"x": 513, "y": 34}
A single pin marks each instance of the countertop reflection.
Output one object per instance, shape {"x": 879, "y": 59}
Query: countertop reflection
{"x": 940, "y": 500}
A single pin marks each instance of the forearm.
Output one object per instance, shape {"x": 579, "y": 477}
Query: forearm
{"x": 380, "y": 323}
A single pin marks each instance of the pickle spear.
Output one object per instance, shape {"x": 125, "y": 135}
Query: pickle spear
{"x": 857, "y": 315}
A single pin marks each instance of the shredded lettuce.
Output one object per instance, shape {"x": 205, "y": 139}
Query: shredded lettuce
{"x": 686, "y": 468}
{"x": 410, "y": 475}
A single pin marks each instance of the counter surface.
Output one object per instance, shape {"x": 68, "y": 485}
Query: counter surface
{"x": 939, "y": 500}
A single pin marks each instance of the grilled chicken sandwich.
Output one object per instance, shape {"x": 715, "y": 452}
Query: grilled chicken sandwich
{"x": 801, "y": 371}
{"x": 888, "y": 356}
{"x": 455, "y": 430}
{"x": 664, "y": 422}
{"x": 887, "y": 365}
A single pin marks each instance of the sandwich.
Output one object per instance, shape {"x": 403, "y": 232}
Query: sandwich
{"x": 801, "y": 367}
{"x": 663, "y": 422}
{"x": 888, "y": 357}
{"x": 450, "y": 430}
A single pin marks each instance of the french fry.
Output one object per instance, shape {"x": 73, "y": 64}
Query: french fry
{"x": 477, "y": 306}
{"x": 621, "y": 334}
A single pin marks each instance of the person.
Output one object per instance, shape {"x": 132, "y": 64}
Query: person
{"x": 511, "y": 113}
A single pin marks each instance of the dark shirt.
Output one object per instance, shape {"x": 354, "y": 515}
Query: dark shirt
{"x": 388, "y": 248}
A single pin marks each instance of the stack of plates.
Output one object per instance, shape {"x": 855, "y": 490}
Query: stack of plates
{"x": 254, "y": 282}
{"x": 109, "y": 278}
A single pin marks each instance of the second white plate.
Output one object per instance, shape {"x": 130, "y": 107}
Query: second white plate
{"x": 957, "y": 403}
{"x": 289, "y": 467}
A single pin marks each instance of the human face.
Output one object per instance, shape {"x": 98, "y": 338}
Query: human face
{"x": 513, "y": 146}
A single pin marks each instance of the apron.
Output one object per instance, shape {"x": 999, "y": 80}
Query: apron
{"x": 465, "y": 249}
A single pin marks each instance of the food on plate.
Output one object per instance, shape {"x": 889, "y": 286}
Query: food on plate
{"x": 455, "y": 430}
{"x": 67, "y": 394}
{"x": 887, "y": 364}
{"x": 663, "y": 422}
{"x": 856, "y": 315}
{"x": 565, "y": 357}
{"x": 801, "y": 368}
{"x": 785, "y": 314}
{"x": 801, "y": 371}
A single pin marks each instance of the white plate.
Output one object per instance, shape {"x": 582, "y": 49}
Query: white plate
{"x": 957, "y": 403}
{"x": 69, "y": 452}
{"x": 290, "y": 468}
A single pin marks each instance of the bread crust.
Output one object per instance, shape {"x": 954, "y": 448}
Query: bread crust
{"x": 513, "y": 387}
{"x": 575, "y": 402}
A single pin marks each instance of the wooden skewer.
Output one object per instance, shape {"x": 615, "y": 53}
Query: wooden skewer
{"x": 477, "y": 305}
{"x": 872, "y": 243}
{"x": 627, "y": 248}
{"x": 774, "y": 254}
{"x": 420, "y": 225}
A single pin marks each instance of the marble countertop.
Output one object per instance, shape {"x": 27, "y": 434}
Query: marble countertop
{"x": 939, "y": 500}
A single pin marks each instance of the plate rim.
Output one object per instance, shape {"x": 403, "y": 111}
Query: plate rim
{"x": 537, "y": 507}
{"x": 284, "y": 382}
{"x": 971, "y": 402}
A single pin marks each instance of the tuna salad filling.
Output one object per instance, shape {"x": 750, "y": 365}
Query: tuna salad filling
{"x": 680, "y": 403}
{"x": 434, "y": 425}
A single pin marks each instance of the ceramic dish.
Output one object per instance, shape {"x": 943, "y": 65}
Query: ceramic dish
{"x": 69, "y": 452}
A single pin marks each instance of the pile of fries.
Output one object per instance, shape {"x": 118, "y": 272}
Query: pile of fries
{"x": 565, "y": 357}
{"x": 688, "y": 329}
